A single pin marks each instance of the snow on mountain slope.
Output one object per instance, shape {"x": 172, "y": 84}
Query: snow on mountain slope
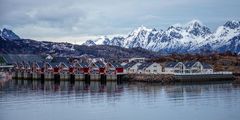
{"x": 191, "y": 37}
{"x": 226, "y": 37}
{"x": 7, "y": 34}
{"x": 138, "y": 38}
{"x": 89, "y": 43}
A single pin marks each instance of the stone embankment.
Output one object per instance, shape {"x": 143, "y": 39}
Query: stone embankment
{"x": 237, "y": 80}
{"x": 170, "y": 78}
{"x": 160, "y": 78}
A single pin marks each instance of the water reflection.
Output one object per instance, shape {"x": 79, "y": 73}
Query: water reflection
{"x": 112, "y": 100}
{"x": 150, "y": 91}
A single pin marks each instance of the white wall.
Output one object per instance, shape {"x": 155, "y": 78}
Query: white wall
{"x": 179, "y": 67}
{"x": 134, "y": 68}
{"x": 171, "y": 70}
{"x": 207, "y": 70}
{"x": 155, "y": 68}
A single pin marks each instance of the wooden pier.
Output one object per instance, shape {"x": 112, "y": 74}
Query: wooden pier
{"x": 65, "y": 76}
{"x": 201, "y": 77}
{"x": 180, "y": 77}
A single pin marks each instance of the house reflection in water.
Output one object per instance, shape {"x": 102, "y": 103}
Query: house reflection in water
{"x": 78, "y": 86}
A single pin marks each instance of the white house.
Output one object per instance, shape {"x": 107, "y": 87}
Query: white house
{"x": 132, "y": 67}
{"x": 98, "y": 67}
{"x": 114, "y": 68}
{"x": 197, "y": 67}
{"x": 64, "y": 69}
{"x": 174, "y": 67}
{"x": 207, "y": 68}
{"x": 150, "y": 68}
{"x": 193, "y": 67}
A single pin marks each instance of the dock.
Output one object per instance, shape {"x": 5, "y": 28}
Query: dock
{"x": 168, "y": 78}
{"x": 201, "y": 77}
{"x": 65, "y": 76}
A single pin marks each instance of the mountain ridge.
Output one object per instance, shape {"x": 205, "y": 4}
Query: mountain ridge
{"x": 28, "y": 46}
{"x": 7, "y": 34}
{"x": 193, "y": 37}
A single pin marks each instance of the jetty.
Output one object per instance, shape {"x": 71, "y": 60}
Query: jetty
{"x": 62, "y": 71}
{"x": 162, "y": 78}
{"x": 170, "y": 78}
{"x": 201, "y": 77}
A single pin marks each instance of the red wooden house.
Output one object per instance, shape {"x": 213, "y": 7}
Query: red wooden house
{"x": 98, "y": 68}
{"x": 114, "y": 68}
{"x": 81, "y": 68}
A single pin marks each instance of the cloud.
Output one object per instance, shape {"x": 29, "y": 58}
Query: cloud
{"x": 40, "y": 19}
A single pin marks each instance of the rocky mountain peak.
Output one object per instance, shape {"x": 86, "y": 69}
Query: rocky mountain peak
{"x": 189, "y": 37}
{"x": 232, "y": 24}
{"x": 8, "y": 34}
{"x": 140, "y": 30}
{"x": 196, "y": 28}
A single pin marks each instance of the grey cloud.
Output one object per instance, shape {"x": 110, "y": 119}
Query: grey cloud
{"x": 49, "y": 18}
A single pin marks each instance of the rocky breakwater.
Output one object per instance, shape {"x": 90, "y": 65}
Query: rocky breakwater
{"x": 237, "y": 78}
{"x": 160, "y": 78}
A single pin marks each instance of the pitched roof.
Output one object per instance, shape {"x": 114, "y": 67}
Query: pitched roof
{"x": 116, "y": 65}
{"x": 189, "y": 64}
{"x": 57, "y": 60}
{"x": 144, "y": 65}
{"x": 171, "y": 64}
{"x": 54, "y": 64}
{"x": 81, "y": 64}
{"x": 84, "y": 64}
{"x": 68, "y": 64}
{"x": 40, "y": 64}
{"x": 99, "y": 64}
{"x": 128, "y": 65}
{"x": 206, "y": 66}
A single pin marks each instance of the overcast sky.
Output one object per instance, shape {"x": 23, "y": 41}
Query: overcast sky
{"x": 79, "y": 20}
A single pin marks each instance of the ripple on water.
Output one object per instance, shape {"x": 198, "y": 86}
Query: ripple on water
{"x": 112, "y": 100}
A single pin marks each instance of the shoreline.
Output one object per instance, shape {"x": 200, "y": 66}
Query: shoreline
{"x": 168, "y": 78}
{"x": 172, "y": 79}
{"x": 237, "y": 80}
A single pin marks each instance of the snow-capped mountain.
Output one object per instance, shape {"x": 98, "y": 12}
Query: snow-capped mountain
{"x": 104, "y": 40}
{"x": 191, "y": 37}
{"x": 8, "y": 34}
{"x": 226, "y": 37}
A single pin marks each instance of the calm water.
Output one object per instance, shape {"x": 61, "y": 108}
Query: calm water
{"x": 31, "y": 100}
